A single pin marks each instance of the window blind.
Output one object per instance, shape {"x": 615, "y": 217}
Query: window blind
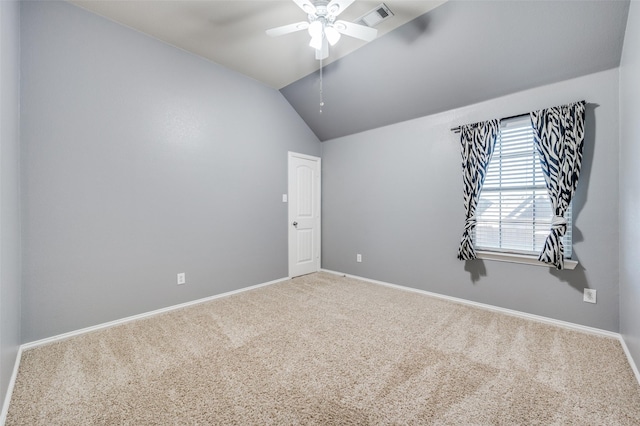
{"x": 514, "y": 212}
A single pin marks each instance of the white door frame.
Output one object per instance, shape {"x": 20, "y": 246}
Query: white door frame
{"x": 291, "y": 215}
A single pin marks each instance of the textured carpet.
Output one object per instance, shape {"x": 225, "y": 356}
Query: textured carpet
{"x": 325, "y": 350}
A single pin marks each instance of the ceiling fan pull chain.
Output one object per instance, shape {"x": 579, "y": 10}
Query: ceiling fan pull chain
{"x": 321, "y": 99}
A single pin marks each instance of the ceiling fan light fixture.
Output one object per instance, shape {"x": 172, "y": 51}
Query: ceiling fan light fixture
{"x": 316, "y": 42}
{"x": 315, "y": 29}
{"x": 333, "y": 36}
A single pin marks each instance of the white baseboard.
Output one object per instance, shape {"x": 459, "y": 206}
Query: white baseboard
{"x": 538, "y": 318}
{"x": 12, "y": 383}
{"x": 30, "y": 345}
{"x": 632, "y": 362}
{"x": 143, "y": 315}
{"x": 546, "y": 320}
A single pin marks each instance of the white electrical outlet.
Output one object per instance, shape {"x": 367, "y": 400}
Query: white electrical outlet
{"x": 182, "y": 278}
{"x": 589, "y": 295}
{"x": 358, "y": 258}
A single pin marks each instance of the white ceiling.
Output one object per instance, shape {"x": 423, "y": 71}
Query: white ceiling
{"x": 232, "y": 33}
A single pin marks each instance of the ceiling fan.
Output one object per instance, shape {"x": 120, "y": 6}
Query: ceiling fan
{"x": 323, "y": 26}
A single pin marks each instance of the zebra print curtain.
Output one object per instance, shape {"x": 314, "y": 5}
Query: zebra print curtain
{"x": 559, "y": 137}
{"x": 477, "y": 143}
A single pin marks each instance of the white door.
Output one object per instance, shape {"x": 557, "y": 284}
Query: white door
{"x": 304, "y": 214}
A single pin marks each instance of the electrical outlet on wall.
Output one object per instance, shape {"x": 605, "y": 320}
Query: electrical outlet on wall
{"x": 589, "y": 295}
{"x": 182, "y": 278}
{"x": 358, "y": 258}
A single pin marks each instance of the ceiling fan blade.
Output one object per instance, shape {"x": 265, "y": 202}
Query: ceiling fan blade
{"x": 356, "y": 30}
{"x": 286, "y": 29}
{"x": 323, "y": 53}
{"x": 336, "y": 7}
{"x": 306, "y": 6}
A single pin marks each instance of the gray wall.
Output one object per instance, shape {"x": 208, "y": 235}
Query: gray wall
{"x": 9, "y": 190}
{"x": 629, "y": 184}
{"x": 141, "y": 161}
{"x": 395, "y": 195}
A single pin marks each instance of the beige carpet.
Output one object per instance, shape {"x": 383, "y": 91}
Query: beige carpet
{"x": 325, "y": 350}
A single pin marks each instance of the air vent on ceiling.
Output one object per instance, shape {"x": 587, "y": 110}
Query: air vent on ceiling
{"x": 375, "y": 16}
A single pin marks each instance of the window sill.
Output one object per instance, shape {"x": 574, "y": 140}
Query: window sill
{"x": 520, "y": 258}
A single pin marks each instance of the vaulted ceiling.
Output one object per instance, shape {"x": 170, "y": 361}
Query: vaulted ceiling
{"x": 232, "y": 32}
{"x": 432, "y": 56}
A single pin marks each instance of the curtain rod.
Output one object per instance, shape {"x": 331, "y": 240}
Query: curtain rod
{"x": 457, "y": 129}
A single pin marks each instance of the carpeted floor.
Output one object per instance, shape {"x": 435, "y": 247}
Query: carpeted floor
{"x": 322, "y": 350}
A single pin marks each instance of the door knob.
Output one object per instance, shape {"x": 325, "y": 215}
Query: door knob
{"x": 295, "y": 224}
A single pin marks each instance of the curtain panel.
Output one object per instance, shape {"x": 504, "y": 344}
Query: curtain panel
{"x": 559, "y": 138}
{"x": 477, "y": 142}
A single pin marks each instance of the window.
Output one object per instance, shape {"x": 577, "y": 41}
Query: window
{"x": 514, "y": 211}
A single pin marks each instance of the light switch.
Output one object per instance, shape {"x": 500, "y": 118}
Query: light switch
{"x": 284, "y": 198}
